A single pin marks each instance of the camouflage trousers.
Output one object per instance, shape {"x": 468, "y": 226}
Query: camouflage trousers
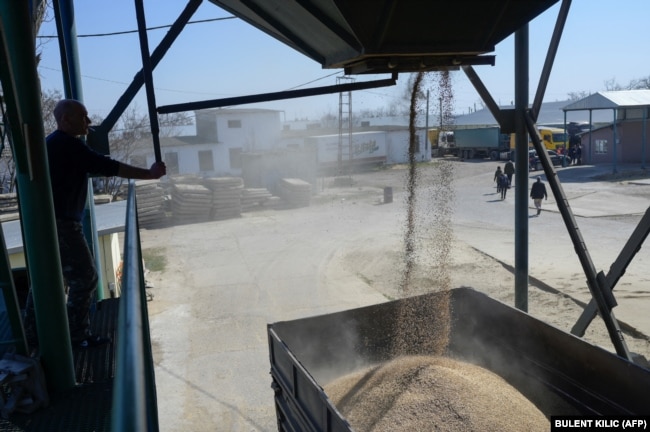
{"x": 80, "y": 277}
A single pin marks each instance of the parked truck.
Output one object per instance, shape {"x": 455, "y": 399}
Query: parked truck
{"x": 479, "y": 143}
{"x": 552, "y": 138}
{"x": 368, "y": 149}
{"x": 440, "y": 141}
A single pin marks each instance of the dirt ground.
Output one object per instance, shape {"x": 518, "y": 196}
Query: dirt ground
{"x": 226, "y": 280}
{"x": 376, "y": 259}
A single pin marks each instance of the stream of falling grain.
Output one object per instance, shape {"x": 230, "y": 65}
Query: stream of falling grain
{"x": 411, "y": 183}
{"x": 433, "y": 226}
{"x": 420, "y": 389}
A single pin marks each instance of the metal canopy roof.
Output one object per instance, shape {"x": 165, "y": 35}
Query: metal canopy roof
{"x": 382, "y": 36}
{"x": 612, "y": 100}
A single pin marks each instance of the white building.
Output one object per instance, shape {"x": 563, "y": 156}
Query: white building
{"x": 229, "y": 141}
{"x": 222, "y": 135}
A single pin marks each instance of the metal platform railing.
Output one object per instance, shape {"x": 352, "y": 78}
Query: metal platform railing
{"x": 134, "y": 392}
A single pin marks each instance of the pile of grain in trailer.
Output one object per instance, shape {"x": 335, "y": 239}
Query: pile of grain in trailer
{"x": 426, "y": 393}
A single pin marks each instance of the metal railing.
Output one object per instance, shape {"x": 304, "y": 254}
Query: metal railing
{"x": 134, "y": 391}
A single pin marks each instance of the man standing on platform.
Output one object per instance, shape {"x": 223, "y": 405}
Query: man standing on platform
{"x": 71, "y": 163}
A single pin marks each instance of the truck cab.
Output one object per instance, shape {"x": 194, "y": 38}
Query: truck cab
{"x": 552, "y": 138}
{"x": 441, "y": 141}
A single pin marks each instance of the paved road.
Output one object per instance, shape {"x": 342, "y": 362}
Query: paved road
{"x": 606, "y": 213}
{"x": 226, "y": 280}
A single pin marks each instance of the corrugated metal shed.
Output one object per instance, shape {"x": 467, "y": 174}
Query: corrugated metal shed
{"x": 612, "y": 100}
{"x": 550, "y": 113}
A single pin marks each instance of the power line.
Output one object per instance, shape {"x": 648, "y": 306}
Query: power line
{"x": 135, "y": 31}
{"x": 312, "y": 81}
{"x": 162, "y": 27}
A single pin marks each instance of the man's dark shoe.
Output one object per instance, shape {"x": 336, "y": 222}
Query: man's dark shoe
{"x": 93, "y": 342}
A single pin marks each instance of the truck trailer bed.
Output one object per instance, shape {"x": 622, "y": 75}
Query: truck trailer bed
{"x": 558, "y": 372}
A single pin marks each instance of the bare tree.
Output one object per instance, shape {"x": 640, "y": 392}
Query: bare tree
{"x": 577, "y": 95}
{"x": 640, "y": 83}
{"x": 133, "y": 127}
{"x": 7, "y": 166}
{"x": 49, "y": 99}
{"x": 130, "y": 139}
{"x": 612, "y": 85}
{"x": 329, "y": 120}
{"x": 170, "y": 124}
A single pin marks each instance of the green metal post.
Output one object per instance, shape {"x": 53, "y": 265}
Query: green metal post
{"x": 521, "y": 173}
{"x": 64, "y": 15}
{"x": 21, "y": 88}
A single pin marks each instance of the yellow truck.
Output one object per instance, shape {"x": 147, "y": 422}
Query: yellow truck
{"x": 553, "y": 138}
{"x": 440, "y": 141}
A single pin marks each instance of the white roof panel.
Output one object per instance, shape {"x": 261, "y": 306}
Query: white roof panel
{"x": 612, "y": 100}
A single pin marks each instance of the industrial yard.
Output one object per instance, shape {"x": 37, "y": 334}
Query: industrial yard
{"x": 224, "y": 281}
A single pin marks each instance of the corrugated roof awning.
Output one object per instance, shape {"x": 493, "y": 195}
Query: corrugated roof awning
{"x": 611, "y": 100}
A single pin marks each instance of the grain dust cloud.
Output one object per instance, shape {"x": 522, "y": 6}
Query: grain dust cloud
{"x": 420, "y": 388}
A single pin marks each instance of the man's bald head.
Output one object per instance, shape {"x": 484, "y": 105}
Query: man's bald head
{"x": 71, "y": 117}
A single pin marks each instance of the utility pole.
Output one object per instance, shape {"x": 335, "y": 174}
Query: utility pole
{"x": 345, "y": 125}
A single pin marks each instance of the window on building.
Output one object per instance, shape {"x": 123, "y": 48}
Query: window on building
{"x": 633, "y": 113}
{"x": 417, "y": 143}
{"x": 600, "y": 146}
{"x": 171, "y": 161}
{"x": 234, "y": 124}
{"x": 205, "y": 160}
{"x": 235, "y": 158}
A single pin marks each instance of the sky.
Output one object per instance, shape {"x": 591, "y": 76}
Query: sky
{"x": 603, "y": 40}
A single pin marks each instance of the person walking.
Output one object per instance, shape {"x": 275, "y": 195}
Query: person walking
{"x": 537, "y": 192}
{"x": 71, "y": 163}
{"x": 503, "y": 182}
{"x": 497, "y": 177}
{"x": 509, "y": 170}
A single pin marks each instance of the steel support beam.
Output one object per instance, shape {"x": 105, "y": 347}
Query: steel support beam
{"x": 266, "y": 97}
{"x": 595, "y": 281}
{"x": 98, "y": 139}
{"x": 65, "y": 24}
{"x": 148, "y": 78}
{"x": 521, "y": 171}
{"x": 487, "y": 98}
{"x": 616, "y": 270}
{"x": 550, "y": 58}
{"x": 21, "y": 88}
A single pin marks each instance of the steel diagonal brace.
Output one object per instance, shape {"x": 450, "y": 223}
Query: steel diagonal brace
{"x": 595, "y": 285}
{"x": 615, "y": 271}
